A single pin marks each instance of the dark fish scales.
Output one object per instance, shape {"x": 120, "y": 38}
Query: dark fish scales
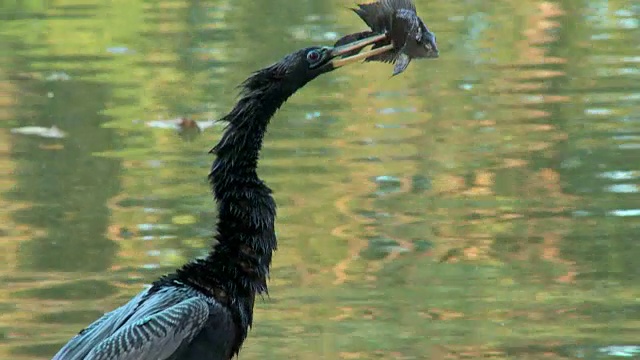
{"x": 405, "y": 30}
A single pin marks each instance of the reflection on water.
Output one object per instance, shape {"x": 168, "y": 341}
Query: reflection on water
{"x": 484, "y": 205}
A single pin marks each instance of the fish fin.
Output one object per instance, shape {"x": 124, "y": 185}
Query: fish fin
{"x": 400, "y": 4}
{"x": 386, "y": 57}
{"x": 376, "y": 15}
{"x": 351, "y": 38}
{"x": 397, "y": 18}
{"x": 402, "y": 62}
{"x": 379, "y": 15}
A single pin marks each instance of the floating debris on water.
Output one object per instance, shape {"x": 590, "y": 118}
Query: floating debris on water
{"x": 182, "y": 124}
{"x": 387, "y": 184}
{"x": 58, "y": 76}
{"x": 120, "y": 50}
{"x": 187, "y": 129}
{"x": 312, "y": 115}
{"x": 621, "y": 350}
{"x": 50, "y": 133}
{"x": 391, "y": 110}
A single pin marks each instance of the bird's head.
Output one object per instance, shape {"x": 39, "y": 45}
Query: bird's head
{"x": 298, "y": 68}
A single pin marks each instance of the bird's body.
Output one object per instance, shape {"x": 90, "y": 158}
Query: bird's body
{"x": 204, "y": 309}
{"x": 405, "y": 30}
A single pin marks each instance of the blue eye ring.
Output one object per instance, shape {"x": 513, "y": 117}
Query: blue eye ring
{"x": 314, "y": 56}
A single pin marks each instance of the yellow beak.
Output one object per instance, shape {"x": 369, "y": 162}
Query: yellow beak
{"x": 344, "y": 49}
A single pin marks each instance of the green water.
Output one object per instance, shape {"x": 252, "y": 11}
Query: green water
{"x": 482, "y": 205}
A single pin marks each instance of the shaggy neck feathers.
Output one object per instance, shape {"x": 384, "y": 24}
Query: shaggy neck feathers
{"x": 238, "y": 265}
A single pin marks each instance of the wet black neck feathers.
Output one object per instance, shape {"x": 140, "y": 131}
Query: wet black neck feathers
{"x": 238, "y": 265}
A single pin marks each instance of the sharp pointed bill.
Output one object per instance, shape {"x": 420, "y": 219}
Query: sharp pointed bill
{"x": 350, "y": 51}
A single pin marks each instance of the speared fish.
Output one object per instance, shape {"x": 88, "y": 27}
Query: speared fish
{"x": 398, "y": 19}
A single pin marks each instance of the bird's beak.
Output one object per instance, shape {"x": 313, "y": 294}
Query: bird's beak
{"x": 338, "y": 51}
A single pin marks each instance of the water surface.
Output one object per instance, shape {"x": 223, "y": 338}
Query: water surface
{"x": 483, "y": 205}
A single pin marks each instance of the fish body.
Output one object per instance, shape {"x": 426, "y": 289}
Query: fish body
{"x": 410, "y": 37}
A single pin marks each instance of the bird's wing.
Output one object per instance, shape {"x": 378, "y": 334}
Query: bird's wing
{"x": 149, "y": 307}
{"x": 80, "y": 345}
{"x": 155, "y": 337}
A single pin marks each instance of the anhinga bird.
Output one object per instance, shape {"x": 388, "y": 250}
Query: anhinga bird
{"x": 204, "y": 309}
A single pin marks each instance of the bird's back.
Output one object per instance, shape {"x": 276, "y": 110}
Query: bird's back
{"x": 169, "y": 322}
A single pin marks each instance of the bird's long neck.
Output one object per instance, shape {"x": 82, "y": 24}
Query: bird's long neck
{"x": 246, "y": 209}
{"x": 239, "y": 262}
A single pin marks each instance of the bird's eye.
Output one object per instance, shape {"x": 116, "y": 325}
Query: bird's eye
{"x": 313, "y": 56}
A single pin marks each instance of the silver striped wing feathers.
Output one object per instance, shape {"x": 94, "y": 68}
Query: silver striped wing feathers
{"x": 80, "y": 345}
{"x": 155, "y": 337}
{"x": 149, "y": 327}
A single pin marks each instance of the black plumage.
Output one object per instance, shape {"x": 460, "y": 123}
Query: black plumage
{"x": 408, "y": 34}
{"x": 204, "y": 309}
